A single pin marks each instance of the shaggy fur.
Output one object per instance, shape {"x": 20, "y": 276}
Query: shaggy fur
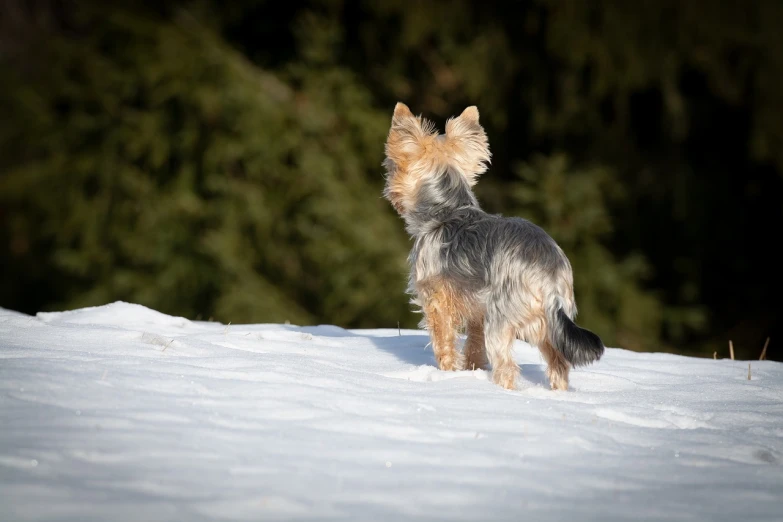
{"x": 498, "y": 278}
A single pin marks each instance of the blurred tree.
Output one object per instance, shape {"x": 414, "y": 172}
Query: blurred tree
{"x": 150, "y": 162}
{"x": 573, "y": 206}
{"x": 675, "y": 99}
{"x": 240, "y": 145}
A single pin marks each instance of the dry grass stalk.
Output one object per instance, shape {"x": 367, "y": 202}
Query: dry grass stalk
{"x": 764, "y": 350}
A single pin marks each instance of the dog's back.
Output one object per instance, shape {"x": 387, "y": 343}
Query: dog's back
{"x": 511, "y": 267}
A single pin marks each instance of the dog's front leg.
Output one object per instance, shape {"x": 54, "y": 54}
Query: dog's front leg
{"x": 475, "y": 352}
{"x": 441, "y": 315}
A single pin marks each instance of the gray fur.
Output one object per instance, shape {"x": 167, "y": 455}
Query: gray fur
{"x": 507, "y": 264}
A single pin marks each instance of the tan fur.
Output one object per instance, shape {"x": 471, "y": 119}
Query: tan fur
{"x": 532, "y": 319}
{"x": 415, "y": 149}
{"x": 557, "y": 367}
{"x": 506, "y": 370}
{"x": 475, "y": 353}
{"x": 443, "y": 311}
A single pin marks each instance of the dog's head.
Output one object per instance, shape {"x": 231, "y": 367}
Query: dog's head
{"x": 415, "y": 150}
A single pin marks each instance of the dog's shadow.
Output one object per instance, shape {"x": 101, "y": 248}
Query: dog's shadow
{"x": 408, "y": 348}
{"x": 535, "y": 374}
{"x": 413, "y": 348}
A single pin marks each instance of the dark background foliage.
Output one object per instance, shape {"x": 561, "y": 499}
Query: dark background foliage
{"x": 222, "y": 160}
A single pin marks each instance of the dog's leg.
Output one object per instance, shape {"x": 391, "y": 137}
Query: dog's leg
{"x": 557, "y": 367}
{"x": 475, "y": 352}
{"x": 440, "y": 312}
{"x": 499, "y": 338}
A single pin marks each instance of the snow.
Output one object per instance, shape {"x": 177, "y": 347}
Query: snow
{"x": 119, "y": 412}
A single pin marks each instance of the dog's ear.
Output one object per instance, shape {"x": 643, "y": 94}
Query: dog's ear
{"x": 401, "y": 112}
{"x": 468, "y": 143}
{"x": 406, "y": 135}
{"x": 406, "y": 145}
{"x": 470, "y": 114}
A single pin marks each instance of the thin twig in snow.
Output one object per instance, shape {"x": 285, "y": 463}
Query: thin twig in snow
{"x": 764, "y": 350}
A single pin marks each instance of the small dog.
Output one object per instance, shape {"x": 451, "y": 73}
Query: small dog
{"x": 498, "y": 278}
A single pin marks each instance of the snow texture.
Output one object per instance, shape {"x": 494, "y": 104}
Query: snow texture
{"x": 121, "y": 413}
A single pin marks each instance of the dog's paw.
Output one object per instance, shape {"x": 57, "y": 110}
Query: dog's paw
{"x": 558, "y": 382}
{"x": 506, "y": 376}
{"x": 558, "y": 377}
{"x": 476, "y": 363}
{"x": 451, "y": 362}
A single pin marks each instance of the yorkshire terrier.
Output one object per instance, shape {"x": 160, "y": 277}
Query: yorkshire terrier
{"x": 499, "y": 278}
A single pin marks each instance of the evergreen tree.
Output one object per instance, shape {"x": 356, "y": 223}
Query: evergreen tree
{"x": 152, "y": 163}
{"x": 611, "y": 291}
{"x": 223, "y": 160}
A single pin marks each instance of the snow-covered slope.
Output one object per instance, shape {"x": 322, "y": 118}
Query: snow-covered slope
{"x": 121, "y": 413}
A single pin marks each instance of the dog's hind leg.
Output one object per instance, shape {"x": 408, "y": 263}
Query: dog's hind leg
{"x": 499, "y": 338}
{"x": 557, "y": 367}
{"x": 441, "y": 313}
{"x": 534, "y": 331}
{"x": 475, "y": 352}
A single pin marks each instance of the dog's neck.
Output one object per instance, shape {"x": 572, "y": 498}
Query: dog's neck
{"x": 440, "y": 199}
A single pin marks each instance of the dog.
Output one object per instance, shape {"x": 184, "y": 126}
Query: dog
{"x": 495, "y": 278}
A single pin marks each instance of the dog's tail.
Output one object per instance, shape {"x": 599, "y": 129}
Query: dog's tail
{"x": 579, "y": 346}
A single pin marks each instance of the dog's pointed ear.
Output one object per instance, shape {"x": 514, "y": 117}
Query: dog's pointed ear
{"x": 406, "y": 134}
{"x": 470, "y": 114}
{"x": 401, "y": 111}
{"x": 469, "y": 144}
